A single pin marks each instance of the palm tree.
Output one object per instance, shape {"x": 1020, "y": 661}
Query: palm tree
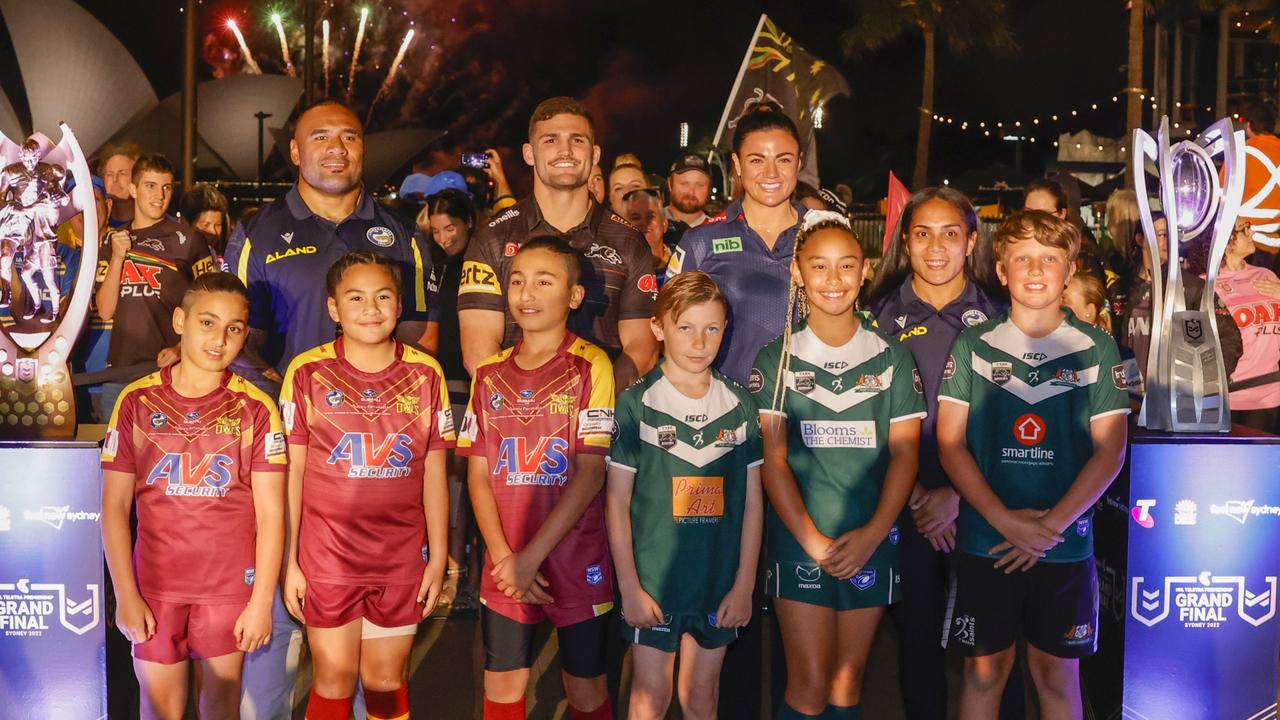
{"x": 961, "y": 24}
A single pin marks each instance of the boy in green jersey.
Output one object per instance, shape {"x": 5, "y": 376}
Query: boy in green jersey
{"x": 1031, "y": 430}
{"x": 685, "y": 509}
{"x": 840, "y": 411}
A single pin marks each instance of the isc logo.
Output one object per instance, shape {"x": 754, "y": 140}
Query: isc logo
{"x": 389, "y": 458}
{"x": 208, "y": 476}
{"x": 1034, "y": 356}
{"x": 548, "y": 457}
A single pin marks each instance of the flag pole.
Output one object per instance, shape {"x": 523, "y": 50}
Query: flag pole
{"x": 733, "y": 94}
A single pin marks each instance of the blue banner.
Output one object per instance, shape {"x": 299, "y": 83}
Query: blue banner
{"x": 1201, "y": 634}
{"x": 52, "y": 631}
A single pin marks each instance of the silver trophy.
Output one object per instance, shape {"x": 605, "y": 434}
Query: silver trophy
{"x": 1200, "y": 185}
{"x": 36, "y": 397}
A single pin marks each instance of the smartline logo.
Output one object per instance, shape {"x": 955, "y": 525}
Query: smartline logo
{"x": 726, "y": 245}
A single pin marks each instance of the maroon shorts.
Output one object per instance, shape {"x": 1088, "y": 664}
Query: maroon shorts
{"x": 188, "y": 631}
{"x": 387, "y": 606}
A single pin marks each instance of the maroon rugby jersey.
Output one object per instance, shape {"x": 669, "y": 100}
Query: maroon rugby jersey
{"x": 192, "y": 459}
{"x": 530, "y": 424}
{"x": 367, "y": 437}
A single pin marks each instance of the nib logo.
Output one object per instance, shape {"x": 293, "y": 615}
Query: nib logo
{"x": 1142, "y": 513}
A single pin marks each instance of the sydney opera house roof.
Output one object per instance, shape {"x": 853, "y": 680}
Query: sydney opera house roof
{"x": 74, "y": 71}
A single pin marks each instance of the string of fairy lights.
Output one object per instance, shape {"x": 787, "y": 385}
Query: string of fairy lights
{"x": 1027, "y": 129}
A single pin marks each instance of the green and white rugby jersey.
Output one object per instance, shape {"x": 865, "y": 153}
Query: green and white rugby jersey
{"x": 690, "y": 459}
{"x": 1030, "y": 402}
{"x": 839, "y": 403}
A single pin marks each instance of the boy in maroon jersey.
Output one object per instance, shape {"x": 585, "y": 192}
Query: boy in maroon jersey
{"x": 537, "y": 431}
{"x": 369, "y": 423}
{"x": 203, "y": 454}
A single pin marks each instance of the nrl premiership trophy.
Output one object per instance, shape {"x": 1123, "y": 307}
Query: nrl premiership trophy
{"x": 1200, "y": 183}
{"x": 36, "y": 398}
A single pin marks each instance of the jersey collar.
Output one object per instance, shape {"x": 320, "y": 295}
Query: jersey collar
{"x": 591, "y": 223}
{"x": 298, "y": 207}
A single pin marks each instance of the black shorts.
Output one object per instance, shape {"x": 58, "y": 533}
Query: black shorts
{"x": 508, "y": 644}
{"x": 1053, "y": 605}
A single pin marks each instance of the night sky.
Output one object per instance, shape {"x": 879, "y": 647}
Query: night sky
{"x": 644, "y": 67}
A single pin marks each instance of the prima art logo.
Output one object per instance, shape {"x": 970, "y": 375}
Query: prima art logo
{"x": 27, "y": 608}
{"x": 1204, "y": 600}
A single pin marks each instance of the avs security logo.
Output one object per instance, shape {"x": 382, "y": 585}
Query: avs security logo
{"x": 389, "y": 458}
{"x": 1203, "y": 601}
{"x": 210, "y": 476}
{"x": 546, "y": 462}
{"x": 27, "y": 609}
{"x": 1141, "y": 513}
{"x": 54, "y": 516}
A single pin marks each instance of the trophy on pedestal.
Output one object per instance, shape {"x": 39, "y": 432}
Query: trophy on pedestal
{"x": 1200, "y": 183}
{"x": 36, "y": 397}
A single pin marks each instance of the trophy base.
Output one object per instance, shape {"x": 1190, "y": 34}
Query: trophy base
{"x": 1196, "y": 400}
{"x": 37, "y": 400}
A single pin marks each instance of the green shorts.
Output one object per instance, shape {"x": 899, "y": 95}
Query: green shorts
{"x": 666, "y": 637}
{"x": 807, "y": 583}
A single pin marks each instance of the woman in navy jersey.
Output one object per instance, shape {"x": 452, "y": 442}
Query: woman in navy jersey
{"x": 747, "y": 248}
{"x": 937, "y": 278}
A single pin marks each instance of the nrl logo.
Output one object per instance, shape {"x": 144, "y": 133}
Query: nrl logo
{"x": 77, "y": 615}
{"x": 1203, "y": 600}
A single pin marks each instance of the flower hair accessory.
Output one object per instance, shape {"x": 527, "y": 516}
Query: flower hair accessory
{"x": 815, "y": 217}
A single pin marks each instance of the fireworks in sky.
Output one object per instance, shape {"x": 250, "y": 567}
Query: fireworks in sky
{"x": 284, "y": 45}
{"x": 398, "y": 63}
{"x": 244, "y": 48}
{"x": 355, "y": 54}
{"x": 358, "y": 31}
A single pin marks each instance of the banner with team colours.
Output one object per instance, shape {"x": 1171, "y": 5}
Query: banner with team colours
{"x": 1201, "y": 634}
{"x": 52, "y": 637}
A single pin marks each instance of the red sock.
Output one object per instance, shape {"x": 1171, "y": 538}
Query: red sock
{"x": 389, "y": 705}
{"x": 323, "y": 708}
{"x": 503, "y": 711}
{"x": 604, "y": 712}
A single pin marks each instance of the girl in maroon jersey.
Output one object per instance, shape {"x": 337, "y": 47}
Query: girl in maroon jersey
{"x": 368, "y": 425}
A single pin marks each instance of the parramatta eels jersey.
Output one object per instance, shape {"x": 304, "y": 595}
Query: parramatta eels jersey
{"x": 192, "y": 460}
{"x": 367, "y": 437}
{"x": 617, "y": 270}
{"x": 283, "y": 252}
{"x": 530, "y": 425}
{"x": 690, "y": 459}
{"x": 1030, "y": 402}
{"x": 838, "y": 403}
{"x": 754, "y": 279}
